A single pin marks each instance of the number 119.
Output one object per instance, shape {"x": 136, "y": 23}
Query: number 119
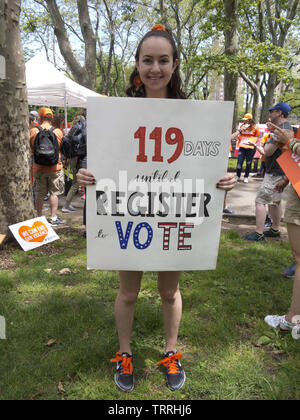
{"x": 173, "y": 136}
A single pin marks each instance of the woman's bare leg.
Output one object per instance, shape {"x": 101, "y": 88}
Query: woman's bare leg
{"x": 168, "y": 286}
{"x": 130, "y": 283}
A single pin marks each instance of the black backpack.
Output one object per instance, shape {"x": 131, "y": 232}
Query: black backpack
{"x": 46, "y": 147}
{"x": 74, "y": 144}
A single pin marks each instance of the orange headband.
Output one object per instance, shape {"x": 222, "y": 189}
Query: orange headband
{"x": 158, "y": 28}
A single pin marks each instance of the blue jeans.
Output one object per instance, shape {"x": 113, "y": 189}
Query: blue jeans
{"x": 247, "y": 154}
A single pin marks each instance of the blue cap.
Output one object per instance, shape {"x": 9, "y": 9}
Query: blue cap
{"x": 282, "y": 106}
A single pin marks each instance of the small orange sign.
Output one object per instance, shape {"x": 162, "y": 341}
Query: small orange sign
{"x": 36, "y": 233}
{"x": 290, "y": 164}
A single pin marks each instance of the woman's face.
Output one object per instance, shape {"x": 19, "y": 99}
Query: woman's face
{"x": 156, "y": 66}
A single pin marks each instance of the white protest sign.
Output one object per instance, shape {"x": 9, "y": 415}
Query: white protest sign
{"x": 156, "y": 161}
{"x": 33, "y": 233}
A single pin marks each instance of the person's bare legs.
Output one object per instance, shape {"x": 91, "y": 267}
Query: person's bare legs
{"x": 261, "y": 214}
{"x": 294, "y": 237}
{"x": 275, "y": 215}
{"x": 168, "y": 286}
{"x": 130, "y": 283}
{"x": 53, "y": 204}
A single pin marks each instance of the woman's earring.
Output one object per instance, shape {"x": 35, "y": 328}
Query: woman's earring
{"x": 137, "y": 81}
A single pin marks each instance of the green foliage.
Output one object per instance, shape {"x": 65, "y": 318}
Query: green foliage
{"x": 198, "y": 26}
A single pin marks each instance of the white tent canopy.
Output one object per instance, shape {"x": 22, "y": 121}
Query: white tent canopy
{"x": 47, "y": 86}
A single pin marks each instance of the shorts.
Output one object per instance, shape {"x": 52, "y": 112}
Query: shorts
{"x": 292, "y": 210}
{"x": 52, "y": 182}
{"x": 266, "y": 193}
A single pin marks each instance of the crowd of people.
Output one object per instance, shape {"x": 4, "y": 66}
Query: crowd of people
{"x": 156, "y": 75}
{"x": 52, "y": 150}
{"x": 280, "y": 136}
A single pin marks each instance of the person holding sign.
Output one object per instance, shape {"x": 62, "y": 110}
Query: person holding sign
{"x": 248, "y": 135}
{"x": 292, "y": 218}
{"x": 156, "y": 75}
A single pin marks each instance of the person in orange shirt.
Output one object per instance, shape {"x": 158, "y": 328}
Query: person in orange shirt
{"x": 248, "y": 135}
{"x": 48, "y": 178}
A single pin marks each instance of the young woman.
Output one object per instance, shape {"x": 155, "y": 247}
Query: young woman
{"x": 247, "y": 135}
{"x": 156, "y": 76}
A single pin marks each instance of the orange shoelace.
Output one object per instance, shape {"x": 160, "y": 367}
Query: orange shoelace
{"x": 126, "y": 363}
{"x": 171, "y": 362}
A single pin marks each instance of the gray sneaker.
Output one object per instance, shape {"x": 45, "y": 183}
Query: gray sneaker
{"x": 276, "y": 321}
{"x": 56, "y": 222}
{"x": 175, "y": 375}
{"x": 67, "y": 208}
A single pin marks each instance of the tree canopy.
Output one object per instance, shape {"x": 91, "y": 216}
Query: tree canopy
{"x": 227, "y": 47}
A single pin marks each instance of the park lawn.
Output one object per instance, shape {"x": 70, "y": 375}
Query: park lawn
{"x": 228, "y": 351}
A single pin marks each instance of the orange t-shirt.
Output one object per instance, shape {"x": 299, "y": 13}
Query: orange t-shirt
{"x": 249, "y": 134}
{"x": 297, "y": 135}
{"x": 59, "y": 134}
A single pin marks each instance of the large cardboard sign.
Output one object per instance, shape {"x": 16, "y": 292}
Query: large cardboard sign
{"x": 290, "y": 164}
{"x": 155, "y": 205}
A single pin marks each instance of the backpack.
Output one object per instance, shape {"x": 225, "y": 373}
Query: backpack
{"x": 46, "y": 147}
{"x": 74, "y": 144}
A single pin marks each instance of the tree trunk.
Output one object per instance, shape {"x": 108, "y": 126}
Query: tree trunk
{"x": 268, "y": 99}
{"x": 231, "y": 50}
{"x": 84, "y": 75}
{"x": 16, "y": 204}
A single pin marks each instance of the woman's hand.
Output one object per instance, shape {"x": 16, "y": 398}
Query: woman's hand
{"x": 85, "y": 177}
{"x": 227, "y": 183}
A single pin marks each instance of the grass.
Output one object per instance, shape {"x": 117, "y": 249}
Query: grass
{"x": 229, "y": 352}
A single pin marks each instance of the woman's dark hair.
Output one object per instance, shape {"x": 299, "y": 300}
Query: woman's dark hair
{"x": 174, "y": 86}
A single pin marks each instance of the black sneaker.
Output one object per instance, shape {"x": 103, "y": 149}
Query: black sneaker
{"x": 256, "y": 237}
{"x": 124, "y": 374}
{"x": 268, "y": 222}
{"x": 272, "y": 233}
{"x": 175, "y": 374}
